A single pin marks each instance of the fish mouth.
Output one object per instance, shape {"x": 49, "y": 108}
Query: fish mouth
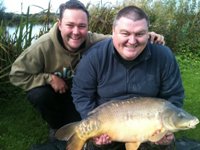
{"x": 193, "y": 123}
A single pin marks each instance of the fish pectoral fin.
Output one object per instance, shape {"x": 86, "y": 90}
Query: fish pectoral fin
{"x": 75, "y": 143}
{"x": 66, "y": 131}
{"x": 132, "y": 146}
{"x": 157, "y": 135}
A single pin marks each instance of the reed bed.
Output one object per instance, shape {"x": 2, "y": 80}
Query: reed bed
{"x": 12, "y": 45}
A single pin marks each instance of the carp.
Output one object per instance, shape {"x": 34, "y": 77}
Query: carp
{"x": 132, "y": 121}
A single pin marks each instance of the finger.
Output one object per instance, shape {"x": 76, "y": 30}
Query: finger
{"x": 163, "y": 142}
{"x": 152, "y": 38}
{"x": 161, "y": 40}
{"x": 105, "y": 139}
{"x": 61, "y": 91}
{"x": 97, "y": 140}
{"x": 102, "y": 140}
{"x": 166, "y": 140}
{"x": 63, "y": 88}
{"x": 156, "y": 38}
{"x": 55, "y": 89}
{"x": 170, "y": 137}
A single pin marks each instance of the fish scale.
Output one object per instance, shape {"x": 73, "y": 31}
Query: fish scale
{"x": 87, "y": 127}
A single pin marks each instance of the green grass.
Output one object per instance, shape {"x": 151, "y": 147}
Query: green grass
{"x": 190, "y": 72}
{"x": 21, "y": 126}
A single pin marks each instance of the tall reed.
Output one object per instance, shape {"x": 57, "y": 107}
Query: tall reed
{"x": 12, "y": 45}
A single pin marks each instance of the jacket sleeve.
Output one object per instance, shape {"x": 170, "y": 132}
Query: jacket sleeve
{"x": 171, "y": 87}
{"x": 27, "y": 70}
{"x": 84, "y": 86}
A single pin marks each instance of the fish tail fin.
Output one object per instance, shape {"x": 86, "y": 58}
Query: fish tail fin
{"x": 132, "y": 146}
{"x": 75, "y": 143}
{"x": 66, "y": 131}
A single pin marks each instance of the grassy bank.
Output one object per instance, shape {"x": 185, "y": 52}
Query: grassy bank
{"x": 21, "y": 126}
{"x": 191, "y": 80}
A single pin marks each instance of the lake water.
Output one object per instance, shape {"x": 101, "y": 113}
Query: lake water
{"x": 35, "y": 30}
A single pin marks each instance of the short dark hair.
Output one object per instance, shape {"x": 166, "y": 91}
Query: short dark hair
{"x": 132, "y": 12}
{"x": 72, "y": 4}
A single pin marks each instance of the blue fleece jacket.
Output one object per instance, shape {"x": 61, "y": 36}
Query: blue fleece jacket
{"x": 102, "y": 75}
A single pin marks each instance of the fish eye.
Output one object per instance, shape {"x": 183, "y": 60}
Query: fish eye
{"x": 181, "y": 114}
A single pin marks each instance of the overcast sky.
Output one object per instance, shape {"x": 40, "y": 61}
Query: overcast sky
{"x": 16, "y": 5}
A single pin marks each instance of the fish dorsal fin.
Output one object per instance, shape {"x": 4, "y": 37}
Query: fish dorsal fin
{"x": 100, "y": 107}
{"x": 111, "y": 103}
{"x": 66, "y": 131}
{"x": 132, "y": 146}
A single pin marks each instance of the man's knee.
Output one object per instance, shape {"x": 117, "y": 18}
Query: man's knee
{"x": 40, "y": 95}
